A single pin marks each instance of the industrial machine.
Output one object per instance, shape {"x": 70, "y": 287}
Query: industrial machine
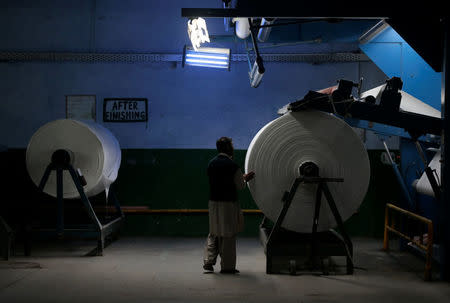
{"x": 427, "y": 41}
{"x": 70, "y": 159}
{"x": 318, "y": 153}
{"x": 323, "y": 158}
{"x": 388, "y": 105}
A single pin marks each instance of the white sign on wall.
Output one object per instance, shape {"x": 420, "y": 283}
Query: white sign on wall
{"x": 81, "y": 107}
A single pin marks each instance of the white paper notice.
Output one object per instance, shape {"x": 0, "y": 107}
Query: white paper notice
{"x": 80, "y": 107}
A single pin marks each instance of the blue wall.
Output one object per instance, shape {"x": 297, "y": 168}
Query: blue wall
{"x": 189, "y": 107}
{"x": 397, "y": 59}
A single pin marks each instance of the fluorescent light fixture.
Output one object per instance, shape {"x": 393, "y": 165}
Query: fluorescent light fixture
{"x": 197, "y": 31}
{"x": 256, "y": 73}
{"x": 207, "y": 57}
{"x": 373, "y": 32}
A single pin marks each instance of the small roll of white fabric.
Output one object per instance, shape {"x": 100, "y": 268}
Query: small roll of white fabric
{"x": 422, "y": 185}
{"x": 93, "y": 149}
{"x": 279, "y": 148}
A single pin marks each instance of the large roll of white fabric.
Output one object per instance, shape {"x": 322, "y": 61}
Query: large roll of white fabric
{"x": 93, "y": 149}
{"x": 279, "y": 149}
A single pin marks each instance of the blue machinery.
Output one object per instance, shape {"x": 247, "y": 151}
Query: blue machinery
{"x": 341, "y": 103}
{"x": 427, "y": 32}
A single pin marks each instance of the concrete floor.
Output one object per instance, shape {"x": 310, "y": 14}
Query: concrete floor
{"x": 169, "y": 270}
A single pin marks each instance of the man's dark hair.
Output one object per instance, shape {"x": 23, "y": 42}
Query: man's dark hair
{"x": 224, "y": 145}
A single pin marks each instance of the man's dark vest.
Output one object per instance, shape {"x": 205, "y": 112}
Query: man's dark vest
{"x": 221, "y": 171}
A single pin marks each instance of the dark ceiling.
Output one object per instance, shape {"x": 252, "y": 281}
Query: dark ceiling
{"x": 419, "y": 24}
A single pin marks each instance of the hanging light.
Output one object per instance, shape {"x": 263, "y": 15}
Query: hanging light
{"x": 257, "y": 72}
{"x": 197, "y": 31}
{"x": 207, "y": 57}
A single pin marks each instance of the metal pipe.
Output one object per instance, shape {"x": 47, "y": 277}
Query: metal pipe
{"x": 409, "y": 214}
{"x": 258, "y": 69}
{"x": 226, "y": 20}
{"x": 373, "y": 32}
{"x": 257, "y": 72}
{"x": 273, "y": 45}
{"x": 270, "y": 25}
{"x": 264, "y": 32}
{"x": 399, "y": 176}
{"x": 428, "y": 248}
{"x": 147, "y": 210}
{"x": 252, "y": 34}
{"x": 398, "y": 233}
{"x": 248, "y": 55}
{"x": 421, "y": 153}
{"x": 282, "y": 12}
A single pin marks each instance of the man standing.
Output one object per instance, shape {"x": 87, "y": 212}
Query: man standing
{"x": 225, "y": 215}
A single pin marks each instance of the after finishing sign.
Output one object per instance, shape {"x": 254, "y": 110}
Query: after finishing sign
{"x": 125, "y": 110}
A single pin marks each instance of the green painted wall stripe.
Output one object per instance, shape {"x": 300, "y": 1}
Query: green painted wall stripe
{"x": 176, "y": 179}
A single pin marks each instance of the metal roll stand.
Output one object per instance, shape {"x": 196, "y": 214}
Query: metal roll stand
{"x": 60, "y": 162}
{"x": 317, "y": 247}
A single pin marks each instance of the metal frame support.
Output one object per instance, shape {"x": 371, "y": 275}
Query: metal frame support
{"x": 400, "y": 179}
{"x": 103, "y": 230}
{"x": 60, "y": 203}
{"x": 332, "y": 10}
{"x": 257, "y": 71}
{"x": 227, "y": 20}
{"x": 345, "y": 106}
{"x": 339, "y": 221}
{"x": 287, "y": 198}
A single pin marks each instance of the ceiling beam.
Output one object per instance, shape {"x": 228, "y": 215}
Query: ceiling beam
{"x": 272, "y": 13}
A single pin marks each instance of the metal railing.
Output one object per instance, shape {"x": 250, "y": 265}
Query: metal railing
{"x": 424, "y": 241}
